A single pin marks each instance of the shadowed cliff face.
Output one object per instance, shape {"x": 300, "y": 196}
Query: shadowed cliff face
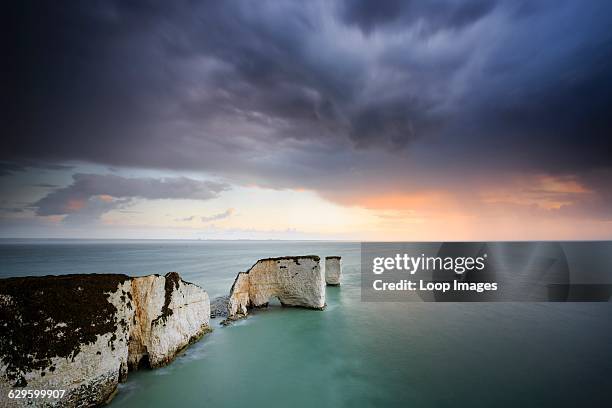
{"x": 54, "y": 316}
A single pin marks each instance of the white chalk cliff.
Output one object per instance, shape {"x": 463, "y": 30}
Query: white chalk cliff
{"x": 333, "y": 270}
{"x": 295, "y": 281}
{"x": 80, "y": 333}
{"x": 169, "y": 314}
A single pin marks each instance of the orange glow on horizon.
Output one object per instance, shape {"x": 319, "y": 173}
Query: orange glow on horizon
{"x": 542, "y": 191}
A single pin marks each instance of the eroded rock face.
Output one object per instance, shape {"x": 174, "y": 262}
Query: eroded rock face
{"x": 333, "y": 270}
{"x": 295, "y": 281}
{"x": 79, "y": 333}
{"x": 169, "y": 315}
{"x": 219, "y": 306}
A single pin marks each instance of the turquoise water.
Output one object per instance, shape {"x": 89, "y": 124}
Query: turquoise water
{"x": 352, "y": 354}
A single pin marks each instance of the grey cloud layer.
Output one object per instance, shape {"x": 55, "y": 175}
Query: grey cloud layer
{"x": 314, "y": 94}
{"x": 91, "y": 195}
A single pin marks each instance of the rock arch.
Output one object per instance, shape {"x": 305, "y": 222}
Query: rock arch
{"x": 294, "y": 280}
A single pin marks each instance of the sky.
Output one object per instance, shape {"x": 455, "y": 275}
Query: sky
{"x": 352, "y": 120}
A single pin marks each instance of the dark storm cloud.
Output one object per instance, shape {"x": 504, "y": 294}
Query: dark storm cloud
{"x": 287, "y": 93}
{"x": 10, "y": 168}
{"x": 12, "y": 209}
{"x": 91, "y": 195}
{"x": 433, "y": 15}
{"x": 7, "y": 168}
{"x": 45, "y": 185}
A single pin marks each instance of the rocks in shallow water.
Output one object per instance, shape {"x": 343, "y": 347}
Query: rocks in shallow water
{"x": 218, "y": 306}
{"x": 333, "y": 270}
{"x": 295, "y": 281}
{"x": 79, "y": 333}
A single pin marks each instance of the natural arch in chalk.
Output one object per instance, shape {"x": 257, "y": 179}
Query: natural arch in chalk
{"x": 294, "y": 280}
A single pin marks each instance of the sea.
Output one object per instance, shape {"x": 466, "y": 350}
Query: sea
{"x": 353, "y": 353}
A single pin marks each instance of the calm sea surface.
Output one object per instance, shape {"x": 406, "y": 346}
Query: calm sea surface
{"x": 352, "y": 354}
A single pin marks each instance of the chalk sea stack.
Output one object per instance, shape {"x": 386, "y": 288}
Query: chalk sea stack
{"x": 333, "y": 270}
{"x": 82, "y": 333}
{"x": 294, "y": 280}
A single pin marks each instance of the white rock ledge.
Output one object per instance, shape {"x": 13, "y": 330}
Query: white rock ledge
{"x": 294, "y": 280}
{"x": 80, "y": 333}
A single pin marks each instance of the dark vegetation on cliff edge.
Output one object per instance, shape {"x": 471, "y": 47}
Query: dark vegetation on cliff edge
{"x": 294, "y": 258}
{"x": 52, "y": 316}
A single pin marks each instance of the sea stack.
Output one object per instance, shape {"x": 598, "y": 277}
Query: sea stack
{"x": 294, "y": 280}
{"x": 333, "y": 270}
{"x": 81, "y": 333}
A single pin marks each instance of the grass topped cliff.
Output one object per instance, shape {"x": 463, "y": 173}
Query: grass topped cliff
{"x": 83, "y": 333}
{"x": 53, "y": 316}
